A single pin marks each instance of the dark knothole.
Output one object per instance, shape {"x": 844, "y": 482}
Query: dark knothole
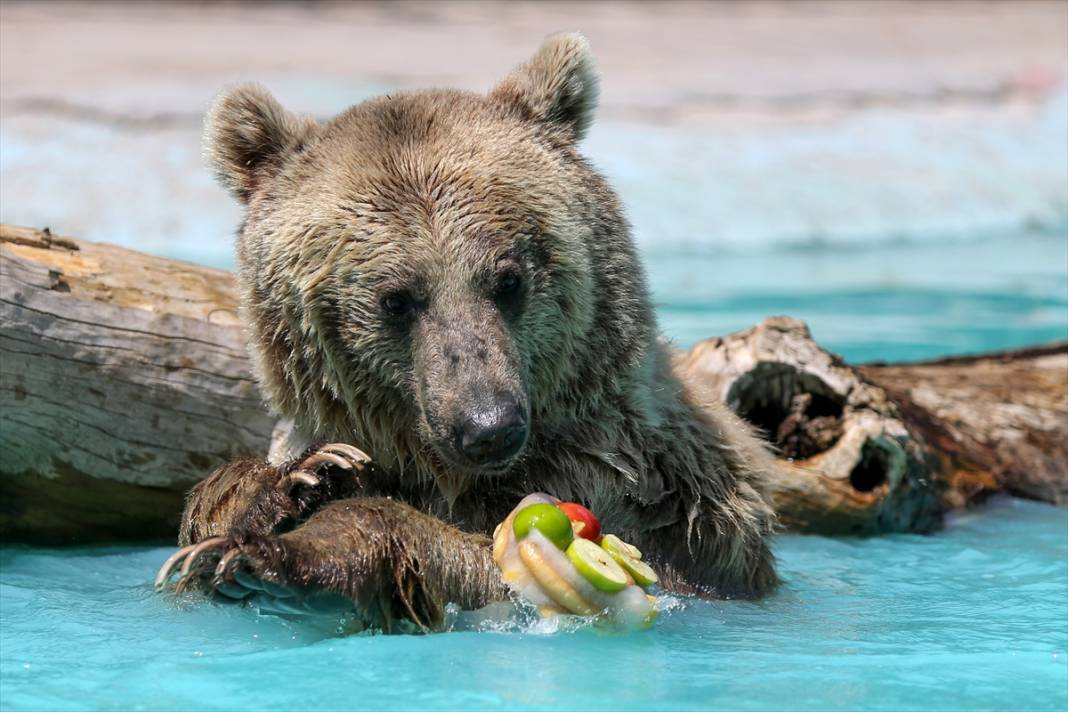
{"x": 797, "y": 411}
{"x": 870, "y": 471}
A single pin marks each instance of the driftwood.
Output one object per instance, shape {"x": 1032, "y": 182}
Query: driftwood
{"x": 997, "y": 422}
{"x": 885, "y": 448}
{"x": 124, "y": 379}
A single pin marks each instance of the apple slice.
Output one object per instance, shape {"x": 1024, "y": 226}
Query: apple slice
{"x": 597, "y": 566}
{"x": 620, "y": 551}
{"x": 613, "y": 544}
{"x": 551, "y": 582}
{"x": 643, "y": 573}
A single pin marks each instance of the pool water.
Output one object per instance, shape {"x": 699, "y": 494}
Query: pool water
{"x": 975, "y": 617}
{"x": 885, "y": 300}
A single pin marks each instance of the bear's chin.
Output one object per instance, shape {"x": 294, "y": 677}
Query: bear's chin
{"x": 452, "y": 483}
{"x": 467, "y": 470}
{"x": 453, "y": 477}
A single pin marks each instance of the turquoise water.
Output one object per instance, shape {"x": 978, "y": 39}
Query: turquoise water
{"x": 974, "y": 618}
{"x": 888, "y": 300}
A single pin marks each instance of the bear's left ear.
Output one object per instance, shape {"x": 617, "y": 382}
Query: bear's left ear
{"x": 557, "y": 86}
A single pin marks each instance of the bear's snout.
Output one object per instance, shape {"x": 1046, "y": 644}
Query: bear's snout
{"x": 494, "y": 432}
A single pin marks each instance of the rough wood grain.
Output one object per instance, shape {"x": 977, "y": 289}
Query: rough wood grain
{"x": 998, "y": 422}
{"x": 891, "y": 448}
{"x": 123, "y": 380}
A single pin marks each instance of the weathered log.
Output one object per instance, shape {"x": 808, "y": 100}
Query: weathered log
{"x": 997, "y": 422}
{"x": 890, "y": 448}
{"x": 123, "y": 380}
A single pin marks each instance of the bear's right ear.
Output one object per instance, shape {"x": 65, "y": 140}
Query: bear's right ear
{"x": 247, "y": 134}
{"x": 557, "y": 86}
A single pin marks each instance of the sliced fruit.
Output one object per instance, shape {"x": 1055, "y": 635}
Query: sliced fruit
{"x": 552, "y": 583}
{"x": 597, "y": 566}
{"x": 547, "y": 519}
{"x": 643, "y": 573}
{"x": 613, "y": 544}
{"x": 583, "y": 521}
{"x": 500, "y": 540}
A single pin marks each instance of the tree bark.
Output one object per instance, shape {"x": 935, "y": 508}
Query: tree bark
{"x": 997, "y": 422}
{"x": 124, "y": 379}
{"x": 885, "y": 448}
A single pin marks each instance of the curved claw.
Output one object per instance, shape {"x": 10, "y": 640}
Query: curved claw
{"x": 220, "y": 568}
{"x": 167, "y": 569}
{"x": 324, "y": 456}
{"x": 306, "y": 478}
{"x": 190, "y": 559}
{"x": 354, "y": 454}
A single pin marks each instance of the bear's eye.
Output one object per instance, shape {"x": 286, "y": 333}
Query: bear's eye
{"x": 397, "y": 304}
{"x": 508, "y": 284}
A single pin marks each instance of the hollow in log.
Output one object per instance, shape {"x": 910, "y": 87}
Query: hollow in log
{"x": 890, "y": 448}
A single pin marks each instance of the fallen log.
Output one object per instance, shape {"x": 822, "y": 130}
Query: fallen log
{"x": 997, "y": 422}
{"x": 124, "y": 380}
{"x": 885, "y": 448}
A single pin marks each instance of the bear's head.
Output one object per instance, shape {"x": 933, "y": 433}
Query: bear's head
{"x": 438, "y": 276}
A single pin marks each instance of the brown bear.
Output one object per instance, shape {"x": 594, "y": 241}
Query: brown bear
{"x": 441, "y": 279}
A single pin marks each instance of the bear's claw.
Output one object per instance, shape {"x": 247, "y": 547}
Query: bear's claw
{"x": 186, "y": 556}
{"x": 306, "y": 482}
{"x": 339, "y": 455}
{"x": 230, "y": 576}
{"x": 300, "y": 477}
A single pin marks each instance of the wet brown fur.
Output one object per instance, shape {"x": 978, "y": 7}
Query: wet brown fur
{"x": 431, "y": 193}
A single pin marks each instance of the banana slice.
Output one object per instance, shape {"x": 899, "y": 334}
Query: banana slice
{"x": 552, "y": 582}
{"x": 500, "y": 539}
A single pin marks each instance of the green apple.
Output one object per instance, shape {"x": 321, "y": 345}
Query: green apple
{"x": 621, "y": 551}
{"x": 642, "y": 572}
{"x": 597, "y": 566}
{"x": 613, "y": 544}
{"x": 547, "y": 519}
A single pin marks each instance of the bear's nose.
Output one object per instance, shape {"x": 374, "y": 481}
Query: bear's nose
{"x": 494, "y": 433}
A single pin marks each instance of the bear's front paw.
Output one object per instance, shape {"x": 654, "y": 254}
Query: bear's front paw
{"x": 324, "y": 473}
{"x": 312, "y": 470}
{"x": 253, "y": 570}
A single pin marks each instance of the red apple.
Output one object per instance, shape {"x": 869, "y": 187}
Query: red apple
{"x": 583, "y": 521}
